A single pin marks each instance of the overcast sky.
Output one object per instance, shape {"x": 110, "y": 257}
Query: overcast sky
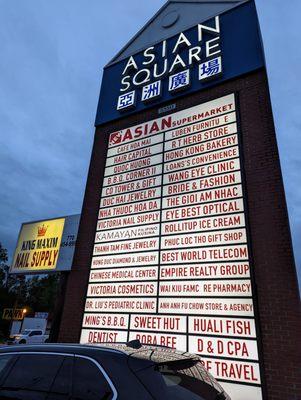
{"x": 52, "y": 55}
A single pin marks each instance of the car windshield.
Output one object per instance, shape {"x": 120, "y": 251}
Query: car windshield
{"x": 25, "y": 332}
{"x": 170, "y": 374}
{"x": 180, "y": 380}
{"x": 183, "y": 385}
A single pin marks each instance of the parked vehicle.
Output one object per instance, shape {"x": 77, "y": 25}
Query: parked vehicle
{"x": 34, "y": 323}
{"x": 29, "y": 336}
{"x": 104, "y": 372}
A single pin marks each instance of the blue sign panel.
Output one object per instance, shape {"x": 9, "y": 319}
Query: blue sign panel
{"x": 207, "y": 54}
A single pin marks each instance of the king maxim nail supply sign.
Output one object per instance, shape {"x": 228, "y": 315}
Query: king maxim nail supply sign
{"x": 171, "y": 262}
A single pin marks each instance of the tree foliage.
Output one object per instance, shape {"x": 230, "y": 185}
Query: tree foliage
{"x": 42, "y": 292}
{"x": 3, "y": 265}
{"x": 36, "y": 293}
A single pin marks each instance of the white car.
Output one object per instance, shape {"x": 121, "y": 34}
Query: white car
{"x": 29, "y": 336}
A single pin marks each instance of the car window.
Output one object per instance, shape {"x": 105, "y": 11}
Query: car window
{"x": 89, "y": 382}
{"x": 5, "y": 362}
{"x": 61, "y": 387}
{"x": 31, "y": 376}
{"x": 35, "y": 333}
{"x": 187, "y": 380}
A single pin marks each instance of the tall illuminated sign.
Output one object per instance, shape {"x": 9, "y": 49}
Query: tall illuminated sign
{"x": 184, "y": 237}
{"x": 171, "y": 262}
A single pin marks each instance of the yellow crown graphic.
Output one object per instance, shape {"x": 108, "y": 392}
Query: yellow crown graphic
{"x": 42, "y": 230}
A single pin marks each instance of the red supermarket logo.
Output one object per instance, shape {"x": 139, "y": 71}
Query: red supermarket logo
{"x": 141, "y": 131}
{"x": 115, "y": 138}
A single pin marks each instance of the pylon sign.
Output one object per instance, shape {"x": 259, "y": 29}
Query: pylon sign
{"x": 171, "y": 263}
{"x": 184, "y": 237}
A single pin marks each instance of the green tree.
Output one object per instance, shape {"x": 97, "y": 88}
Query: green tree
{"x": 36, "y": 293}
{"x": 7, "y": 298}
{"x": 3, "y": 266}
{"x": 42, "y": 292}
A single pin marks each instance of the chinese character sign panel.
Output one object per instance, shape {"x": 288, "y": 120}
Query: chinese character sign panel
{"x": 171, "y": 256}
